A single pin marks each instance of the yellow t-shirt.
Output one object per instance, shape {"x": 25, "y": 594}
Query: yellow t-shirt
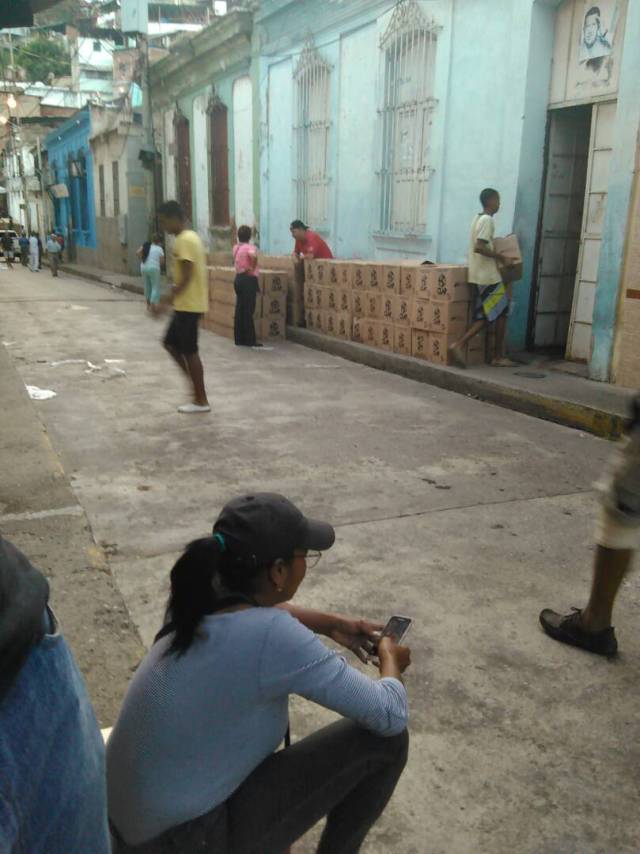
{"x": 195, "y": 296}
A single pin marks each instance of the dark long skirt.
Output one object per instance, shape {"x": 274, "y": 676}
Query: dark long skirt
{"x": 247, "y": 289}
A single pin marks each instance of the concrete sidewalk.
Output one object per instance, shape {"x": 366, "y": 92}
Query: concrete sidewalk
{"x": 537, "y": 387}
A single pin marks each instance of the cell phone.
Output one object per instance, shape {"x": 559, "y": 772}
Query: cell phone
{"x": 397, "y": 628}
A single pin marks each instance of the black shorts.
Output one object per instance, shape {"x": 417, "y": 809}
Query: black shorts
{"x": 182, "y": 333}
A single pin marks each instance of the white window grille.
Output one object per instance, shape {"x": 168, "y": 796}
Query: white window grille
{"x": 409, "y": 48}
{"x": 311, "y": 132}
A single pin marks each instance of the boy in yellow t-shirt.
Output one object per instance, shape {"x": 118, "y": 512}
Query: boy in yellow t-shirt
{"x": 190, "y": 297}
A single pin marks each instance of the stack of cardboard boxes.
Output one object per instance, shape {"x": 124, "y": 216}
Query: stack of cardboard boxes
{"x": 270, "y": 316}
{"x": 411, "y": 309}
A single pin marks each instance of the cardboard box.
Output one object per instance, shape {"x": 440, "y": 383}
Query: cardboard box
{"x": 510, "y": 247}
{"x": 386, "y": 336}
{"x": 281, "y": 263}
{"x": 421, "y": 314}
{"x": 274, "y": 305}
{"x": 274, "y": 282}
{"x": 345, "y": 275}
{"x": 220, "y": 329}
{"x": 402, "y": 308}
{"x": 409, "y": 278}
{"x": 345, "y": 301}
{"x": 334, "y": 273}
{"x": 222, "y": 313}
{"x": 309, "y": 295}
{"x": 439, "y": 344}
{"x": 390, "y": 278}
{"x": 295, "y": 313}
{"x": 422, "y": 281}
{"x": 476, "y": 350}
{"x": 420, "y": 343}
{"x": 357, "y": 329}
{"x": 331, "y": 321}
{"x": 220, "y": 259}
{"x": 344, "y": 325}
{"x": 332, "y": 299}
{"x": 371, "y": 332}
{"x": 321, "y": 272}
{"x": 309, "y": 271}
{"x": 360, "y": 276}
{"x": 225, "y": 274}
{"x": 449, "y": 317}
{"x": 388, "y": 307}
{"x": 272, "y": 328}
{"x": 222, "y": 292}
{"x": 402, "y": 340}
{"x": 448, "y": 283}
{"x": 359, "y": 303}
{"x": 373, "y": 305}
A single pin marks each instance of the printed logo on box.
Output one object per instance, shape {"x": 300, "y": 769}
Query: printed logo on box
{"x": 404, "y": 310}
{"x": 391, "y": 280}
{"x": 331, "y": 326}
{"x": 435, "y": 349}
{"x": 386, "y": 336}
{"x": 320, "y": 273}
{"x": 332, "y": 300}
{"x": 357, "y": 304}
{"x": 310, "y": 323}
{"x": 441, "y": 288}
{"x": 402, "y": 340}
{"x": 371, "y": 333}
{"x": 359, "y": 278}
{"x": 342, "y": 327}
{"x": 275, "y": 307}
{"x": 388, "y": 308}
{"x": 423, "y": 281}
{"x": 334, "y": 275}
{"x": 373, "y": 277}
{"x": 437, "y": 315}
{"x": 372, "y": 305}
{"x": 344, "y": 301}
{"x": 420, "y": 318}
{"x": 318, "y": 298}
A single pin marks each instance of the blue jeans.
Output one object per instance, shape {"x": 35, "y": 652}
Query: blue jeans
{"x": 151, "y": 279}
{"x": 52, "y": 777}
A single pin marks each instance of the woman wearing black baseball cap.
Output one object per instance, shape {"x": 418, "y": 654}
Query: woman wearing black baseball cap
{"x": 193, "y": 761}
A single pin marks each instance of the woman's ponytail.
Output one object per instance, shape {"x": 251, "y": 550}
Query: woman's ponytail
{"x": 192, "y": 590}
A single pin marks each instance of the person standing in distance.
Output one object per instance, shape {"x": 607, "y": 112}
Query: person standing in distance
{"x": 190, "y": 298}
{"x": 308, "y": 244}
{"x": 491, "y": 298}
{"x": 53, "y": 251}
{"x": 247, "y": 288}
{"x": 34, "y": 253}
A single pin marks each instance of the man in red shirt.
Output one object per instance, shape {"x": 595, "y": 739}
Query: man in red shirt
{"x": 308, "y": 243}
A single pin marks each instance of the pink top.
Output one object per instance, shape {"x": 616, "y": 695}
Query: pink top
{"x": 242, "y": 253}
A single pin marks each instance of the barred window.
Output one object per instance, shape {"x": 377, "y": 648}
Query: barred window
{"x": 311, "y": 133}
{"x": 409, "y": 46}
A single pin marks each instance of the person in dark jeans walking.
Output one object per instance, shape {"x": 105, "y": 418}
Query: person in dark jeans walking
{"x": 247, "y": 288}
{"x": 192, "y": 762}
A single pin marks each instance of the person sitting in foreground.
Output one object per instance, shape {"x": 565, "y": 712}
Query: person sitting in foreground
{"x": 53, "y": 796}
{"x": 191, "y": 761}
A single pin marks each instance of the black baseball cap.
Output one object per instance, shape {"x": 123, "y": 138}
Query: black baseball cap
{"x": 270, "y": 526}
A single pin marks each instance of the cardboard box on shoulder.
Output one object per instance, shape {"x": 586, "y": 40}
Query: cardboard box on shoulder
{"x": 390, "y": 278}
{"x": 385, "y": 336}
{"x": 345, "y": 301}
{"x": 510, "y": 248}
{"x": 449, "y": 317}
{"x": 357, "y": 330}
{"x": 373, "y": 305}
{"x": 274, "y": 305}
{"x": 272, "y": 328}
{"x": 371, "y": 332}
{"x": 448, "y": 283}
{"x": 344, "y": 325}
{"x": 421, "y": 314}
{"x": 402, "y": 308}
{"x": 402, "y": 340}
{"x": 420, "y": 343}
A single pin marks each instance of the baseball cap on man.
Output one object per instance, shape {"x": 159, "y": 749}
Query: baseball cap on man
{"x": 270, "y": 526}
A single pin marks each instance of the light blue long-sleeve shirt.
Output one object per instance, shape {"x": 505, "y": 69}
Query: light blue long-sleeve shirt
{"x": 192, "y": 729}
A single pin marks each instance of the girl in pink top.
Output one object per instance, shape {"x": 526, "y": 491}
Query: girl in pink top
{"x": 245, "y": 259}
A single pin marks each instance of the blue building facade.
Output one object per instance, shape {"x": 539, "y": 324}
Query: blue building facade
{"x": 381, "y": 121}
{"x": 71, "y": 166}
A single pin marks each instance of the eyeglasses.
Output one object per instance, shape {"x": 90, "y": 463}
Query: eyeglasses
{"x": 311, "y": 558}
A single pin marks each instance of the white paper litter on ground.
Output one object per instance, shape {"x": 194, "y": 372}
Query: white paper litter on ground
{"x": 93, "y": 368}
{"x": 114, "y": 361}
{"x": 68, "y": 362}
{"x": 9, "y": 343}
{"x": 36, "y": 393}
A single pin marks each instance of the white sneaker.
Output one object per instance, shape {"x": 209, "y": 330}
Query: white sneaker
{"x": 189, "y": 408}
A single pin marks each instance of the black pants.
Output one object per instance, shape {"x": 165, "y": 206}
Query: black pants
{"x": 342, "y": 772}
{"x": 247, "y": 289}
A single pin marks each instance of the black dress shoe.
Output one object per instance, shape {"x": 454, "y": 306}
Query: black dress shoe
{"x": 568, "y": 629}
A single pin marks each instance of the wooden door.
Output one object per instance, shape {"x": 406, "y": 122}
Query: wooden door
{"x": 183, "y": 165}
{"x": 219, "y": 164}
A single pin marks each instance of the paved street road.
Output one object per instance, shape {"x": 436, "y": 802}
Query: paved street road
{"x": 467, "y": 517}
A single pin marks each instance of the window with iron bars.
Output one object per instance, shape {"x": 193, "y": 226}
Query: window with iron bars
{"x": 409, "y": 48}
{"x": 311, "y": 133}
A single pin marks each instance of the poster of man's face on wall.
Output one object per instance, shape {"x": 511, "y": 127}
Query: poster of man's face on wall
{"x": 596, "y": 46}
{"x": 597, "y": 35}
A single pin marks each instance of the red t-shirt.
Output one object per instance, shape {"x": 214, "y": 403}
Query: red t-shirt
{"x": 313, "y": 245}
